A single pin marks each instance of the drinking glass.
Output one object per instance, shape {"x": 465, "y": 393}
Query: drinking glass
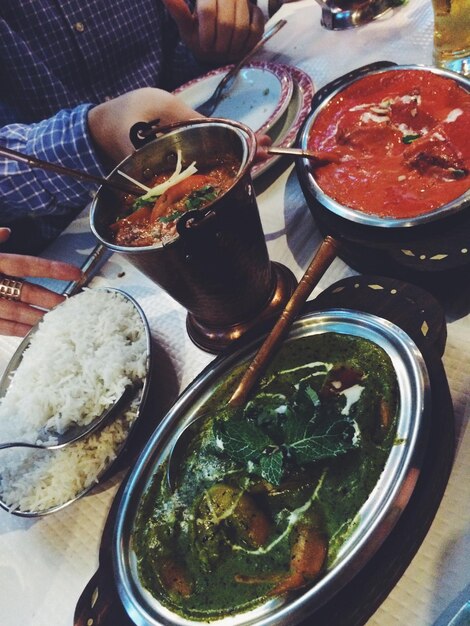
{"x": 452, "y": 35}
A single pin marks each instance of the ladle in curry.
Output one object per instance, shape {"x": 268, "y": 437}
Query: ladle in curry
{"x": 67, "y": 171}
{"x": 325, "y": 255}
{"x": 321, "y": 158}
{"x": 76, "y": 431}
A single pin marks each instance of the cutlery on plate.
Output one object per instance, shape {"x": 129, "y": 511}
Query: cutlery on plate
{"x": 67, "y": 171}
{"x": 209, "y": 106}
{"x": 325, "y": 255}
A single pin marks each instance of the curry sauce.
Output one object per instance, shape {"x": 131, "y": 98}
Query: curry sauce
{"x": 145, "y": 222}
{"x": 404, "y": 141}
{"x": 267, "y": 494}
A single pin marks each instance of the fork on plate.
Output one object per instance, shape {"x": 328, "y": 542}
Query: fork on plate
{"x": 209, "y": 106}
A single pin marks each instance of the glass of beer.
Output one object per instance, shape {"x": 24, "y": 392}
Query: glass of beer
{"x": 452, "y": 35}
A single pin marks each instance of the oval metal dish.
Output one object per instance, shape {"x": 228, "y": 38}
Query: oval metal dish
{"x": 138, "y": 398}
{"x": 377, "y": 516}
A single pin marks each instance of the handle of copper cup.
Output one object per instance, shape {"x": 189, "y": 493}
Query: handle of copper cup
{"x": 325, "y": 255}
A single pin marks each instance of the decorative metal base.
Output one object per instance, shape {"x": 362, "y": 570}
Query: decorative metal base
{"x": 342, "y": 14}
{"x": 215, "y": 338}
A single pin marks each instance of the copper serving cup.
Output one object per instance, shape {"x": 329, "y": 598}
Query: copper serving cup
{"x": 217, "y": 267}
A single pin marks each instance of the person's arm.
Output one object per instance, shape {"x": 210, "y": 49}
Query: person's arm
{"x": 88, "y": 138}
{"x": 62, "y": 139}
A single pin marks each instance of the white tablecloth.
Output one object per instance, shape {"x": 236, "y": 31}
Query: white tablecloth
{"x": 45, "y": 563}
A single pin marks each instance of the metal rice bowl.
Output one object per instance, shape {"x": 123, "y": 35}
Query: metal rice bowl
{"x": 136, "y": 405}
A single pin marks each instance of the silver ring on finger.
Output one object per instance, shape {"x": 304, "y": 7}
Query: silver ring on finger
{"x": 10, "y": 288}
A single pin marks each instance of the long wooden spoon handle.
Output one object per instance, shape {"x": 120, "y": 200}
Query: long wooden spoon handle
{"x": 325, "y": 255}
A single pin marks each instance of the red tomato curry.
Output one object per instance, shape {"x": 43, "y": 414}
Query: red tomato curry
{"x": 403, "y": 139}
{"x": 147, "y": 222}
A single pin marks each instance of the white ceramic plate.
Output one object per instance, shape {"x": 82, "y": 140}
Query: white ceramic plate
{"x": 284, "y": 132}
{"x": 258, "y": 98}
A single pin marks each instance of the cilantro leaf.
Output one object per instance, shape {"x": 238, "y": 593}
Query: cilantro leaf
{"x": 410, "y": 138}
{"x": 141, "y": 202}
{"x": 200, "y": 197}
{"x": 170, "y": 218}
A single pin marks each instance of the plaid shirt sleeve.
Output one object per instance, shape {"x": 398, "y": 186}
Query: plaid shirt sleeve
{"x": 62, "y": 139}
{"x": 55, "y": 56}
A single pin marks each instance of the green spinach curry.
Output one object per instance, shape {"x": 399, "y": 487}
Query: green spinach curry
{"x": 267, "y": 494}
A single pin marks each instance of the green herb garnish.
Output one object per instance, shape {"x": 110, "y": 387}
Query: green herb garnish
{"x": 410, "y": 138}
{"x": 171, "y": 218}
{"x": 273, "y": 432}
{"x": 457, "y": 173}
{"x": 140, "y": 202}
{"x": 201, "y": 196}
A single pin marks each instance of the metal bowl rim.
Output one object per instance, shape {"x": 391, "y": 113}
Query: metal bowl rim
{"x": 370, "y": 219}
{"x": 141, "y": 608}
{"x": 249, "y": 151}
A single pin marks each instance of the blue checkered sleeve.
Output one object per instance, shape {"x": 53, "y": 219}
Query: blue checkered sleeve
{"x": 62, "y": 139}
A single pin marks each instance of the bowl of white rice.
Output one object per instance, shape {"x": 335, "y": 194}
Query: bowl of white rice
{"x": 70, "y": 367}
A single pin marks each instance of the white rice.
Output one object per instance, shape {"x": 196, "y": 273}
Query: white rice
{"x": 78, "y": 362}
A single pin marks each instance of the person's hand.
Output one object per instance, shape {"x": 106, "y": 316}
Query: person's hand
{"x": 19, "y": 315}
{"x": 263, "y": 142}
{"x": 109, "y": 123}
{"x": 219, "y": 31}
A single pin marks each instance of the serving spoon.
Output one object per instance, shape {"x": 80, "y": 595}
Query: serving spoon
{"x": 207, "y": 107}
{"x": 67, "y": 171}
{"x": 325, "y": 255}
{"x": 322, "y": 158}
{"x": 76, "y": 431}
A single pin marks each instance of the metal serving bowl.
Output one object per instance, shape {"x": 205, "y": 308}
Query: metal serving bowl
{"x": 376, "y": 518}
{"x": 313, "y": 190}
{"x": 431, "y": 250}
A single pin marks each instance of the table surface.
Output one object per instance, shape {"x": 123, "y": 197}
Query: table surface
{"x": 46, "y": 562}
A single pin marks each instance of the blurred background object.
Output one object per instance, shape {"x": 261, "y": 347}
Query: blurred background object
{"x": 452, "y": 35}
